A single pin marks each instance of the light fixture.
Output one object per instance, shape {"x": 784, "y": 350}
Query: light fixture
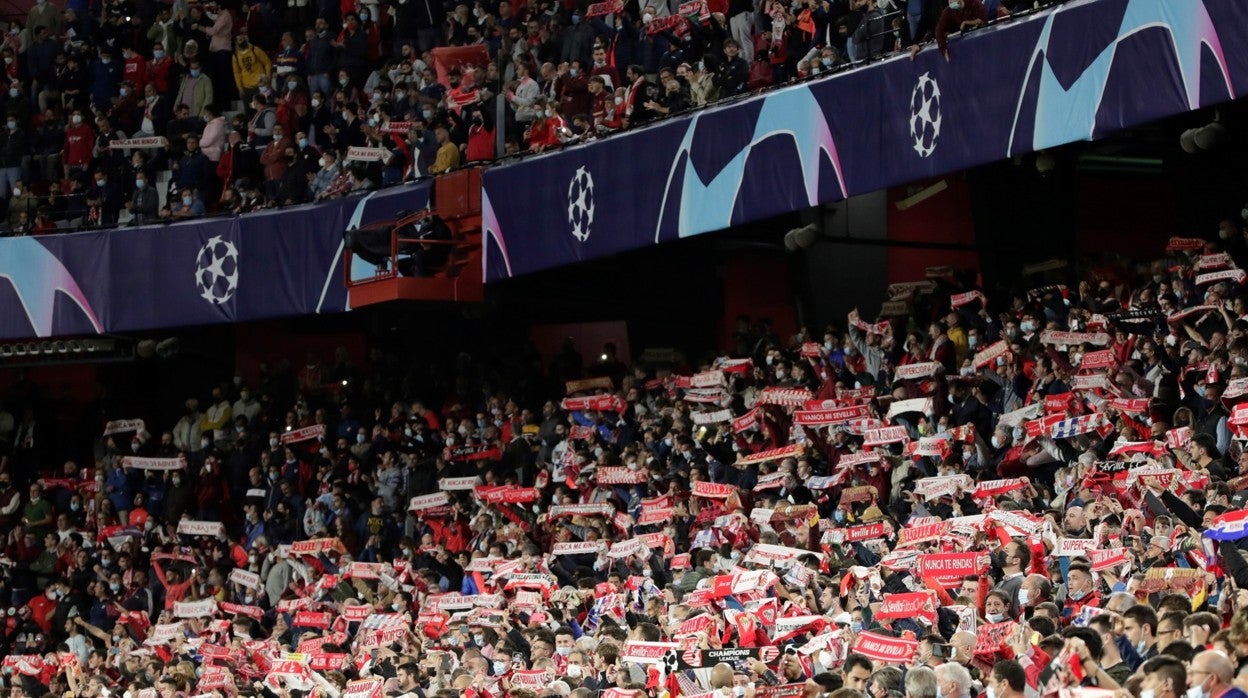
{"x": 802, "y": 238}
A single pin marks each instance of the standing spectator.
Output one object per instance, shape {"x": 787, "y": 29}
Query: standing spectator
{"x": 220, "y": 49}
{"x": 105, "y": 76}
{"x": 79, "y": 142}
{"x": 46, "y": 143}
{"x": 155, "y": 117}
{"x": 321, "y": 57}
{"x": 260, "y": 129}
{"x": 13, "y": 148}
{"x": 289, "y": 59}
{"x": 144, "y": 204}
{"x": 44, "y": 14}
{"x": 41, "y": 60}
{"x": 196, "y": 90}
{"x": 213, "y": 139}
{"x": 250, "y": 65}
{"x": 275, "y": 158}
{"x": 352, "y": 45}
{"x": 158, "y": 69}
{"x": 134, "y": 70}
{"x": 959, "y": 16}
{"x": 191, "y": 173}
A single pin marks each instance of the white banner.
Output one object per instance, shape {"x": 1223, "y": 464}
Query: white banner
{"x": 194, "y": 609}
{"x": 251, "y": 580}
{"x": 121, "y": 426}
{"x": 429, "y": 501}
{"x": 456, "y": 484}
{"x": 153, "y": 463}
{"x": 201, "y": 528}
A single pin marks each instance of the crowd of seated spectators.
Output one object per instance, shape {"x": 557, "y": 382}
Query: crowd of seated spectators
{"x": 247, "y": 106}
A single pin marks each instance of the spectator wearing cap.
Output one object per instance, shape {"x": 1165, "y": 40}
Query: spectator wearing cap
{"x": 250, "y": 64}
{"x": 196, "y": 90}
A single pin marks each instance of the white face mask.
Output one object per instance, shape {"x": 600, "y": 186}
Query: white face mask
{"x": 273, "y": 443}
{"x": 994, "y": 617}
{"x": 574, "y": 670}
{"x": 1024, "y": 594}
{"x": 563, "y": 651}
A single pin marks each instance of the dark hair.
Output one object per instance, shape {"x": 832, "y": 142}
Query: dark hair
{"x": 1167, "y": 667}
{"x": 1091, "y": 638}
{"x": 855, "y": 660}
{"x": 1143, "y": 614}
{"x": 1043, "y": 625}
{"x": 1012, "y": 673}
{"x": 1181, "y": 650}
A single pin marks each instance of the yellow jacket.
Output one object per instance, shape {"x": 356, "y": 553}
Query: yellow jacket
{"x": 448, "y": 158}
{"x": 249, "y": 65}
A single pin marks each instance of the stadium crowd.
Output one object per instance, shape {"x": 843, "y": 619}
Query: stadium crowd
{"x": 123, "y": 111}
{"x": 1010, "y": 495}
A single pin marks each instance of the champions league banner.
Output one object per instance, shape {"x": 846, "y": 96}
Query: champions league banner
{"x": 278, "y": 263}
{"x": 1075, "y": 72}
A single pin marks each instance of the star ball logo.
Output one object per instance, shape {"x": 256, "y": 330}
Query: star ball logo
{"x": 216, "y": 270}
{"x": 581, "y": 203}
{"x": 925, "y": 115}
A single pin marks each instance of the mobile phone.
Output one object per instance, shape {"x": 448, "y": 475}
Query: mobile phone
{"x": 942, "y": 651}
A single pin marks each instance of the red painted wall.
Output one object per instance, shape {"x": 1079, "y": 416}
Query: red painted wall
{"x": 944, "y": 217}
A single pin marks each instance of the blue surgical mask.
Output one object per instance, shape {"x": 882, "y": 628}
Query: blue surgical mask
{"x": 574, "y": 71}
{"x": 303, "y": 142}
{"x": 194, "y": 72}
{"x": 140, "y": 183}
{"x": 158, "y": 54}
{"x": 12, "y": 125}
{"x": 363, "y": 16}
{"x": 576, "y": 19}
{"x": 427, "y": 114}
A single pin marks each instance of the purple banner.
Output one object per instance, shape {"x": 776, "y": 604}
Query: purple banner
{"x": 1076, "y": 72}
{"x": 276, "y": 263}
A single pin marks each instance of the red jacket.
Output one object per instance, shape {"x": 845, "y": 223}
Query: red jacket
{"x": 78, "y": 143}
{"x": 158, "y": 73}
{"x": 135, "y": 70}
{"x": 480, "y": 143}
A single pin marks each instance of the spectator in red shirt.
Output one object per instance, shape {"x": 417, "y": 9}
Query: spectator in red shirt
{"x": 601, "y": 67}
{"x": 276, "y": 156}
{"x": 543, "y": 132}
{"x": 134, "y": 70}
{"x": 43, "y": 608}
{"x": 158, "y": 68}
{"x": 481, "y": 137}
{"x": 960, "y": 15}
{"x": 574, "y": 97}
{"x": 79, "y": 140}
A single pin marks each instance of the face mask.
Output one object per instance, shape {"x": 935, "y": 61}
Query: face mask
{"x": 549, "y": 113}
{"x": 346, "y": 116}
{"x": 1024, "y": 596}
{"x": 856, "y": 626}
{"x": 427, "y": 114}
{"x": 1026, "y": 325}
{"x": 194, "y": 72}
{"x": 186, "y": 201}
{"x": 500, "y": 668}
{"x": 75, "y": 506}
{"x": 738, "y": 691}
{"x": 839, "y": 516}
{"x": 1196, "y": 692}
{"x": 647, "y": 18}
{"x": 364, "y": 16}
{"x": 1077, "y": 595}
{"x": 955, "y": 5}
{"x": 373, "y": 121}
{"x": 77, "y": 119}
{"x": 123, "y": 92}
{"x": 158, "y": 54}
{"x": 106, "y": 61}
{"x": 140, "y": 183}
{"x": 574, "y": 71}
{"x": 479, "y": 639}
{"x": 619, "y": 100}
{"x": 12, "y": 126}
{"x": 343, "y": 81}
{"x": 99, "y": 182}
{"x": 273, "y": 443}
{"x": 563, "y": 651}
{"x": 994, "y": 617}
{"x": 316, "y": 103}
